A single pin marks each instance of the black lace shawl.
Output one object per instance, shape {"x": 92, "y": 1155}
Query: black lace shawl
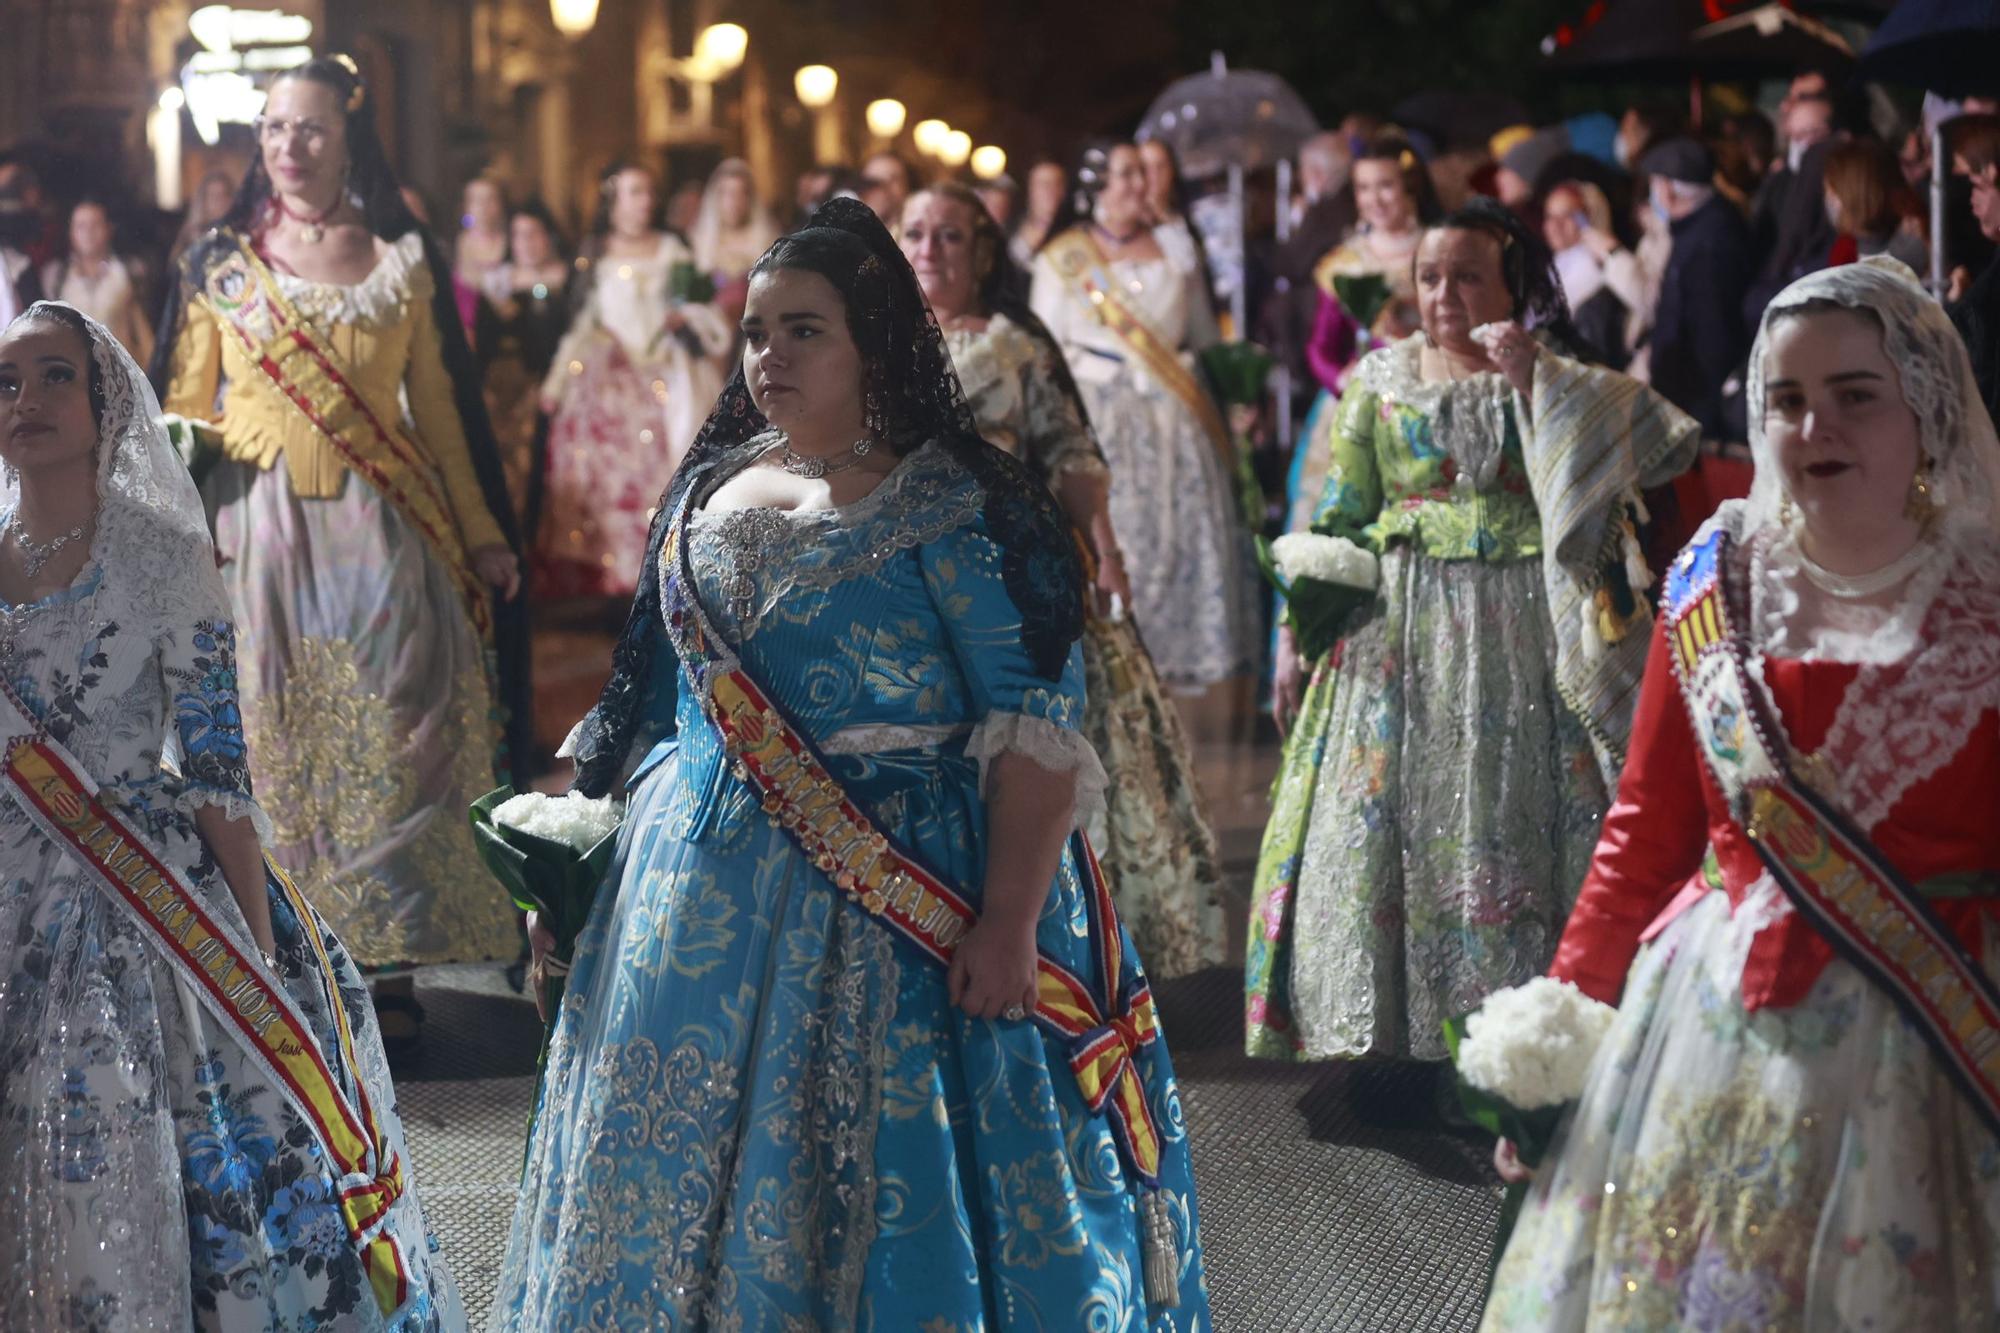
{"x": 510, "y": 619}
{"x": 905, "y": 353}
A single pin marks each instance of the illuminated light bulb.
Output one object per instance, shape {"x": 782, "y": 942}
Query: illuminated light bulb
{"x": 816, "y": 85}
{"x": 988, "y": 161}
{"x": 957, "y": 146}
{"x": 721, "y": 47}
{"x": 885, "y": 117}
{"x": 929, "y": 135}
{"x": 573, "y": 18}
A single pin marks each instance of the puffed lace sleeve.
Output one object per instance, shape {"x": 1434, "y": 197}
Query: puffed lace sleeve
{"x": 196, "y": 643}
{"x": 1020, "y": 710}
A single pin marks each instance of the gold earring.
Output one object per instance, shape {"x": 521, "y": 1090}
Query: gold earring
{"x": 1785, "y": 509}
{"x": 1920, "y": 507}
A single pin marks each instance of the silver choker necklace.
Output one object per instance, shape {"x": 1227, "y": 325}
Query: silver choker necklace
{"x": 812, "y": 467}
{"x": 1854, "y": 587}
{"x": 34, "y": 555}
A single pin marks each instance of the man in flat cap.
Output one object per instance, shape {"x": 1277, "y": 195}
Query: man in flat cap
{"x": 1698, "y": 338}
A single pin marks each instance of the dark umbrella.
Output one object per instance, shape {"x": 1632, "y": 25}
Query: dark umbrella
{"x": 1456, "y": 117}
{"x": 1683, "y": 39}
{"x": 1950, "y": 47}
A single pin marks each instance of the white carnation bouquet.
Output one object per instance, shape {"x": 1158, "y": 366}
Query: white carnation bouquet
{"x": 1324, "y": 579}
{"x": 574, "y": 820}
{"x": 1523, "y": 1056}
{"x": 550, "y": 853}
{"x": 1531, "y": 1045}
{"x": 1314, "y": 555}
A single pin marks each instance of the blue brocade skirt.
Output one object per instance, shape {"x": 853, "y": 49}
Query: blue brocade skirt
{"x": 761, "y": 1113}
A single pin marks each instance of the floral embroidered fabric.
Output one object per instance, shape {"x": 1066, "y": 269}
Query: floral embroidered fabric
{"x": 156, "y": 1179}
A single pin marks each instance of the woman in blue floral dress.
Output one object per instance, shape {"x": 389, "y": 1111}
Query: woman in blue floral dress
{"x": 767, "y": 1107}
{"x": 160, "y": 1172}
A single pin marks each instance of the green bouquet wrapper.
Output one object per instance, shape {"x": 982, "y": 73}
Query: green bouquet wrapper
{"x": 1362, "y": 295}
{"x": 1238, "y": 371}
{"x": 1316, "y": 610}
{"x": 688, "y": 285}
{"x": 1531, "y": 1133}
{"x": 542, "y": 875}
{"x": 198, "y": 443}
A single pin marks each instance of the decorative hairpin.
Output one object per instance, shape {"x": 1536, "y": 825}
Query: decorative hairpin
{"x": 1407, "y": 160}
{"x": 358, "y": 95}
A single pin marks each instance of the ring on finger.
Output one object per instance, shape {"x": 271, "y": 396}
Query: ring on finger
{"x": 1014, "y": 1013}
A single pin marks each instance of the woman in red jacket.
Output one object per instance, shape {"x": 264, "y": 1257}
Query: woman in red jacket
{"x": 1792, "y": 1123}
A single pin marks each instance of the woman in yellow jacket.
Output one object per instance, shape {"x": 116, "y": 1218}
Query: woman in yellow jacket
{"x": 362, "y": 534}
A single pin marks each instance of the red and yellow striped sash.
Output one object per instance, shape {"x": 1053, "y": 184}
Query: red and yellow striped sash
{"x": 61, "y": 800}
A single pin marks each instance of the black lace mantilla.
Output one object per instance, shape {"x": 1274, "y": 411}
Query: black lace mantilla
{"x": 901, "y": 342}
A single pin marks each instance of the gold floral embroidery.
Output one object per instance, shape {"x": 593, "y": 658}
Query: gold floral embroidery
{"x": 364, "y": 820}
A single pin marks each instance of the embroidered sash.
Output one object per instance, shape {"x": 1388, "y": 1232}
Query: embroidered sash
{"x": 61, "y": 800}
{"x": 1829, "y": 870}
{"x": 307, "y": 372}
{"x": 1104, "y": 1033}
{"x": 1081, "y": 264}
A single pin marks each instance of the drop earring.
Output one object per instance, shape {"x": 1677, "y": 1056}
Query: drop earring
{"x": 1920, "y": 507}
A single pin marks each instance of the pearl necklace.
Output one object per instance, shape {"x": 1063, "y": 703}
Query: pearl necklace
{"x": 35, "y": 555}
{"x": 1854, "y": 587}
{"x": 812, "y": 467}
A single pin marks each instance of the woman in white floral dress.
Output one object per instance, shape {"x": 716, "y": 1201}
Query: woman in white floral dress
{"x": 157, "y": 1175}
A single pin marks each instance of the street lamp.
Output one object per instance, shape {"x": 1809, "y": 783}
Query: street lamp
{"x": 816, "y": 85}
{"x": 956, "y": 147}
{"x": 885, "y": 117}
{"x": 929, "y": 135}
{"x": 988, "y": 161}
{"x": 573, "y": 18}
{"x": 720, "y": 49}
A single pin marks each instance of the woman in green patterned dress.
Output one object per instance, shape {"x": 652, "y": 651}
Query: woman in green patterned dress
{"x": 1437, "y": 801}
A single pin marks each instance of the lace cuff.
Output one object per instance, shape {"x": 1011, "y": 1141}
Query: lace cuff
{"x": 234, "y": 804}
{"x": 1055, "y": 748}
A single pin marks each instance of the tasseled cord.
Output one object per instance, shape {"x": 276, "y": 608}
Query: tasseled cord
{"x": 1163, "y": 1252}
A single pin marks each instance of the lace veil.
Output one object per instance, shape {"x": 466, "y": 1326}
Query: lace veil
{"x": 142, "y": 484}
{"x": 922, "y": 403}
{"x": 1956, "y": 434}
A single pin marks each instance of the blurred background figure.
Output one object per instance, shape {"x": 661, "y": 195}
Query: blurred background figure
{"x": 99, "y": 282}
{"x": 481, "y": 244}
{"x": 206, "y": 206}
{"x": 1872, "y": 211}
{"x": 523, "y": 314}
{"x": 1048, "y": 184}
{"x": 886, "y": 181}
{"x": 731, "y": 229}
{"x": 1602, "y": 280}
{"x": 630, "y": 384}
